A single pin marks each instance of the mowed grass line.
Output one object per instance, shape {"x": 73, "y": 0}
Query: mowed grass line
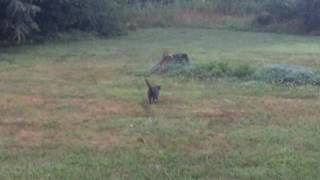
{"x": 78, "y": 110}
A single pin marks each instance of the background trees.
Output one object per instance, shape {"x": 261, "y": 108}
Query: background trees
{"x": 23, "y": 19}
{"x": 309, "y": 12}
{"x": 20, "y": 19}
{"x": 17, "y": 19}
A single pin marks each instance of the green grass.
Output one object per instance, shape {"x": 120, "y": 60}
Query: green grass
{"x": 78, "y": 110}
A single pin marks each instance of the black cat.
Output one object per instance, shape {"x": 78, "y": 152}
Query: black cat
{"x": 153, "y": 92}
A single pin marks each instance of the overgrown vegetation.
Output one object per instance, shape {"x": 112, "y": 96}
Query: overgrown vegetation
{"x": 276, "y": 73}
{"x": 287, "y": 74}
{"x": 26, "y": 19}
{"x": 268, "y": 15}
{"x": 216, "y": 6}
{"x": 22, "y": 19}
{"x": 191, "y": 13}
{"x": 210, "y": 70}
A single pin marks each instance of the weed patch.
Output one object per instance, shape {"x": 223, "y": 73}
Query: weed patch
{"x": 287, "y": 74}
{"x": 207, "y": 71}
{"x": 276, "y": 73}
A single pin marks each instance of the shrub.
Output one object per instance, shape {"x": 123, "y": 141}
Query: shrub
{"x": 243, "y": 71}
{"x": 183, "y": 70}
{"x": 287, "y": 74}
{"x": 276, "y": 73}
{"x": 211, "y": 70}
{"x": 215, "y": 69}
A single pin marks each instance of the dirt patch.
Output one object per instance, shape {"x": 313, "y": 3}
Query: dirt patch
{"x": 105, "y": 142}
{"x": 114, "y": 108}
{"x": 110, "y": 107}
{"x": 281, "y": 104}
{"x": 172, "y": 99}
{"x": 9, "y": 126}
{"x": 21, "y": 100}
{"x": 18, "y": 123}
{"x": 207, "y": 109}
{"x": 276, "y": 109}
{"x": 283, "y": 108}
{"x": 213, "y": 142}
{"x": 27, "y": 135}
{"x": 33, "y": 137}
{"x": 95, "y": 107}
{"x": 210, "y": 112}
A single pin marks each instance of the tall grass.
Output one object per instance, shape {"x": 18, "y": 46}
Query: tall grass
{"x": 233, "y": 14}
{"x": 263, "y": 15}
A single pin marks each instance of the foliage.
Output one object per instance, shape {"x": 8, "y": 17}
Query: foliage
{"x": 281, "y": 10}
{"x": 276, "y": 73}
{"x": 243, "y": 71}
{"x": 226, "y": 7}
{"x": 211, "y": 70}
{"x": 20, "y": 19}
{"x": 287, "y": 74}
{"x": 17, "y": 19}
{"x": 237, "y": 7}
{"x": 98, "y": 15}
{"x": 271, "y": 15}
{"x": 307, "y": 11}
{"x": 217, "y": 69}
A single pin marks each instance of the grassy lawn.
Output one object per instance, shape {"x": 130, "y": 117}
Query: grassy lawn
{"x": 78, "y": 110}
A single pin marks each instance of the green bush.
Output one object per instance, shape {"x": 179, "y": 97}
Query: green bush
{"x": 216, "y": 69}
{"x": 276, "y": 73}
{"x": 211, "y": 70}
{"x": 243, "y": 71}
{"x": 287, "y": 74}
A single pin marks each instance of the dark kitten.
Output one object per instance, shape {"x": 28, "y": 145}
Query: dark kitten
{"x": 153, "y": 92}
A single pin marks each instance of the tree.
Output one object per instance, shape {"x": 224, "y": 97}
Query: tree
{"x": 22, "y": 19}
{"x": 17, "y": 19}
{"x": 309, "y": 11}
